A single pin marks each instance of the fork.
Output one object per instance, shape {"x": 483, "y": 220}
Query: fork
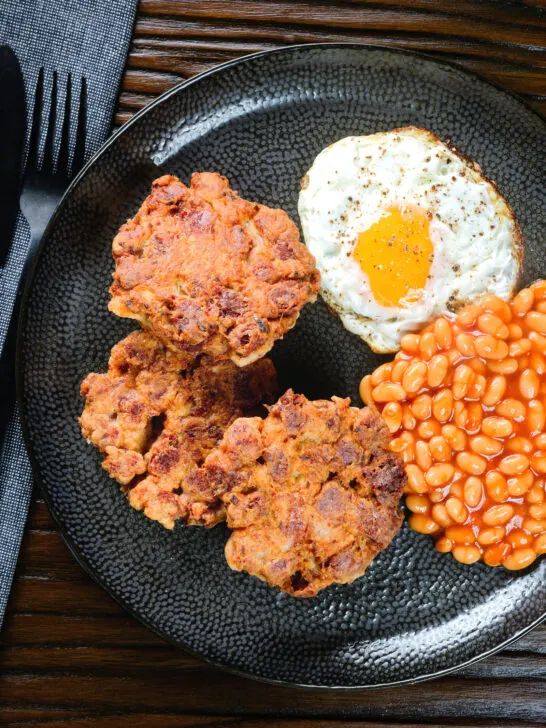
{"x": 56, "y": 153}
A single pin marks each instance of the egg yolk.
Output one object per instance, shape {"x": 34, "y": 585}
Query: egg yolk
{"x": 396, "y": 254}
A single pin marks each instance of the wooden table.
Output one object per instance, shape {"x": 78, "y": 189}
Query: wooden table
{"x": 71, "y": 656}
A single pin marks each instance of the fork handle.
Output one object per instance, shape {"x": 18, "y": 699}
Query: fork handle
{"x": 39, "y": 218}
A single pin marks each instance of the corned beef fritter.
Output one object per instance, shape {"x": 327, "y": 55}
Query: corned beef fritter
{"x": 156, "y": 419}
{"x": 311, "y": 492}
{"x": 209, "y": 272}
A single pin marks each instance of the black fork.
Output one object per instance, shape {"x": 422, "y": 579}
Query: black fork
{"x": 56, "y": 153}
{"x": 56, "y": 149}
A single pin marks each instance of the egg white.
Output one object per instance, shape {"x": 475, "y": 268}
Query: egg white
{"x": 476, "y": 238}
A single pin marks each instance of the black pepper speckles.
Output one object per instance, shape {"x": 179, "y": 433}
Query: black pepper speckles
{"x": 416, "y": 611}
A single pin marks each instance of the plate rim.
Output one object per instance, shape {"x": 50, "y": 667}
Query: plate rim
{"x": 20, "y": 361}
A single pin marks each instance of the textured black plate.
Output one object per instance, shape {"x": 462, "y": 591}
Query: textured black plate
{"x": 261, "y": 121}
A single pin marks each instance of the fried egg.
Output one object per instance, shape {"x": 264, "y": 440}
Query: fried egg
{"x": 404, "y": 228}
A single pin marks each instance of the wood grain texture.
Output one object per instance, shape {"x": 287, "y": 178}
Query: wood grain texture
{"x": 71, "y": 657}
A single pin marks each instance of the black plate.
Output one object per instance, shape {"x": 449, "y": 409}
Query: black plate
{"x": 260, "y": 121}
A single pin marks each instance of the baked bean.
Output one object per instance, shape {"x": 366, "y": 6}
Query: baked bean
{"x": 439, "y": 475}
{"x": 474, "y": 419}
{"x": 408, "y": 420}
{"x": 427, "y": 430}
{"x": 468, "y": 315}
{"x": 519, "y": 347}
{"x": 522, "y": 302}
{"x": 515, "y": 464}
{"x": 505, "y": 366}
{"x": 513, "y": 409}
{"x": 470, "y": 463}
{"x": 381, "y": 374}
{"x": 392, "y": 414}
{"x": 439, "y": 449}
{"x": 496, "y": 486}
{"x": 539, "y": 290}
{"x": 539, "y": 544}
{"x": 460, "y": 416}
{"x": 462, "y": 378}
{"x": 423, "y": 458}
{"x": 518, "y": 538}
{"x": 498, "y": 515}
{"x": 519, "y": 444}
{"x": 442, "y": 332}
{"x": 414, "y": 377}
{"x": 442, "y": 405}
{"x": 456, "y": 488}
{"x": 440, "y": 515}
{"x": 538, "y": 341}
{"x": 435, "y": 496}
{"x": 410, "y": 343}
{"x": 473, "y": 491}
{"x": 540, "y": 441}
{"x": 486, "y": 446}
{"x": 488, "y": 323}
{"x": 496, "y": 305}
{"x": 427, "y": 345}
{"x": 416, "y": 479}
{"x": 490, "y": 347}
{"x": 460, "y": 534}
{"x": 536, "y": 321}
{"x": 466, "y": 554}
{"x": 465, "y": 344}
{"x": 365, "y": 391}
{"x": 538, "y": 511}
{"x": 520, "y": 484}
{"x": 388, "y": 392}
{"x": 528, "y": 384}
{"x": 404, "y": 446}
{"x": 423, "y": 524}
{"x": 519, "y": 559}
{"x": 541, "y": 306}
{"x": 497, "y": 426}
{"x": 422, "y": 407}
{"x": 494, "y": 392}
{"x": 456, "y": 509}
{"x": 453, "y": 356}
{"x": 539, "y": 464}
{"x": 444, "y": 545}
{"x": 514, "y": 332}
{"x": 533, "y": 526}
{"x": 398, "y": 369}
{"x": 477, "y": 388}
{"x": 487, "y": 536}
{"x": 493, "y": 555}
{"x": 477, "y": 366}
{"x": 417, "y": 504}
{"x": 455, "y": 437}
{"x": 535, "y": 494}
{"x": 536, "y": 417}
{"x": 538, "y": 363}
{"x": 437, "y": 370}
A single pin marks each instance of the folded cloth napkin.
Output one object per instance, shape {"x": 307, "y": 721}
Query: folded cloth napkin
{"x": 87, "y": 39}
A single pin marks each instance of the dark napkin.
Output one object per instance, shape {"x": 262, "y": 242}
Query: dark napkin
{"x": 89, "y": 39}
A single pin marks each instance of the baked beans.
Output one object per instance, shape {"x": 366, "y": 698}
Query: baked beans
{"x": 465, "y": 402}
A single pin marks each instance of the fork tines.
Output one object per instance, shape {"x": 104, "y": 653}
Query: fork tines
{"x": 57, "y": 138}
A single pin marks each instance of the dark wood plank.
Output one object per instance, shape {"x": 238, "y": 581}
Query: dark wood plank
{"x": 60, "y": 597}
{"x": 207, "y": 690}
{"x": 75, "y": 719}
